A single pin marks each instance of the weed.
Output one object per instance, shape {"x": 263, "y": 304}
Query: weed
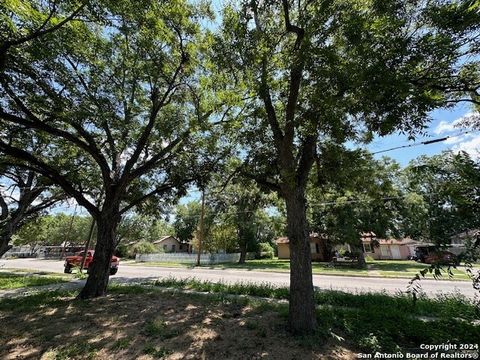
{"x": 156, "y": 352}
{"x": 121, "y": 344}
{"x": 83, "y": 349}
{"x": 251, "y": 324}
{"x": 369, "y": 343}
{"x": 158, "y": 328}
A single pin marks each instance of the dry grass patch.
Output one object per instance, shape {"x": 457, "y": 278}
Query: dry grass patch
{"x": 148, "y": 324}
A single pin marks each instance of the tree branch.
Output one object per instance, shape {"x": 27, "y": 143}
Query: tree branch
{"x": 41, "y": 167}
{"x": 40, "y": 31}
{"x": 157, "y": 104}
{"x": 295, "y": 75}
{"x": 159, "y": 190}
{"x": 264, "y": 90}
{"x": 36, "y": 123}
{"x": 151, "y": 163}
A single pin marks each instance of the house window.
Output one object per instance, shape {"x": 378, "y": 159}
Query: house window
{"x": 367, "y": 248}
{"x": 317, "y": 248}
{"x": 165, "y": 247}
{"x": 312, "y": 248}
{"x": 173, "y": 248}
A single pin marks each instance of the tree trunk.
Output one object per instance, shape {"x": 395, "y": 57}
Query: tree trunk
{"x": 243, "y": 251}
{"x": 4, "y": 244}
{"x": 99, "y": 270}
{"x": 361, "y": 256}
{"x": 302, "y": 318}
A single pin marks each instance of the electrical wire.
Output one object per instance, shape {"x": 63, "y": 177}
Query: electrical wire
{"x": 427, "y": 142}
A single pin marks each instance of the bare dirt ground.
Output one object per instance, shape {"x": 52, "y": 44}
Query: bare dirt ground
{"x": 152, "y": 325}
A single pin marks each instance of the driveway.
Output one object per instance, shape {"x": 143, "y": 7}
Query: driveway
{"x": 129, "y": 273}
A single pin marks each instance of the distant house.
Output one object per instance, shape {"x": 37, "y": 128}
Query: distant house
{"x": 170, "y": 244}
{"x": 459, "y": 241}
{"x": 388, "y": 249}
{"x": 318, "y": 248}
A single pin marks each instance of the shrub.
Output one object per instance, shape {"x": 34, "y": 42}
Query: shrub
{"x": 122, "y": 251}
{"x": 143, "y": 247}
{"x": 265, "y": 251}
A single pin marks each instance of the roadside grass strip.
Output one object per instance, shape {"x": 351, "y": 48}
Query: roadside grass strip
{"x": 375, "y": 268}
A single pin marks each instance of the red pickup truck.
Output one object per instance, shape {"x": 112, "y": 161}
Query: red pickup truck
{"x": 76, "y": 260}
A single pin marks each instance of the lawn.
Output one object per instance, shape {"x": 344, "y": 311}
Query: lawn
{"x": 375, "y": 268}
{"x": 16, "y": 280}
{"x": 152, "y": 322}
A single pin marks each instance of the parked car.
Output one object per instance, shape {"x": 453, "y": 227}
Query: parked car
{"x": 76, "y": 260}
{"x": 441, "y": 257}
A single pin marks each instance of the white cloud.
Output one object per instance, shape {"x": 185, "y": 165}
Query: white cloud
{"x": 444, "y": 127}
{"x": 448, "y": 127}
{"x": 458, "y": 139}
{"x": 471, "y": 147}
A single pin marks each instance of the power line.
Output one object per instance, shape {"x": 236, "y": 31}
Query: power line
{"x": 427, "y": 142}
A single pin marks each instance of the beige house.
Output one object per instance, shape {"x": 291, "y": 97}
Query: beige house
{"x": 170, "y": 244}
{"x": 318, "y": 248}
{"x": 389, "y": 249}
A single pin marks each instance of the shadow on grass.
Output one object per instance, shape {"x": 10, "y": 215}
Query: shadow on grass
{"x": 14, "y": 280}
{"x": 134, "y": 321}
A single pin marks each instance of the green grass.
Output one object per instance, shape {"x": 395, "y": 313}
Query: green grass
{"x": 362, "y": 322}
{"x": 264, "y": 290}
{"x": 10, "y": 280}
{"x": 376, "y": 268}
{"x": 453, "y": 306}
{"x": 371, "y": 321}
{"x": 161, "y": 264}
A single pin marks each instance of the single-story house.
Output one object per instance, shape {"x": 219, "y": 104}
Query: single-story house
{"x": 389, "y": 249}
{"x": 318, "y": 248}
{"x": 171, "y": 244}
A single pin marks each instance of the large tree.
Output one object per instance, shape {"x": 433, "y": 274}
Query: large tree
{"x": 447, "y": 190}
{"x": 240, "y": 203}
{"x": 320, "y": 71}
{"x": 117, "y": 98}
{"x": 362, "y": 196}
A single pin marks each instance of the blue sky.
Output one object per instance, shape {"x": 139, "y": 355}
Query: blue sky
{"x": 442, "y": 124}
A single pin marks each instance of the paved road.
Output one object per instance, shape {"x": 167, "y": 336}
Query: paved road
{"x": 129, "y": 273}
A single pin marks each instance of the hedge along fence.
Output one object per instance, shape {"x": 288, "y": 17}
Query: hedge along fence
{"x": 185, "y": 258}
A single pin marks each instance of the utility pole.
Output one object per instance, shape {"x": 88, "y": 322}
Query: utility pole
{"x": 201, "y": 228}
{"x": 87, "y": 244}
{"x": 68, "y": 232}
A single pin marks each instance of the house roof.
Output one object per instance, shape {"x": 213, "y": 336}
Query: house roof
{"x": 465, "y": 235}
{"x": 404, "y": 241}
{"x": 284, "y": 239}
{"x": 164, "y": 238}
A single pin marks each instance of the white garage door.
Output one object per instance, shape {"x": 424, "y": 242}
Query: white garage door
{"x": 395, "y": 249}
